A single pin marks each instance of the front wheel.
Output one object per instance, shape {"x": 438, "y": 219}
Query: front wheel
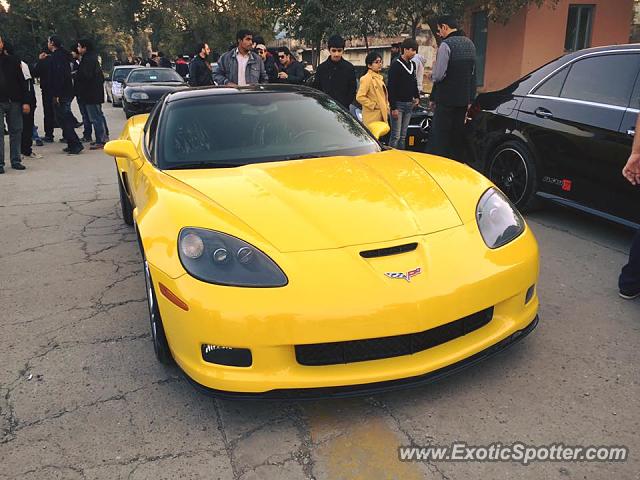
{"x": 160, "y": 343}
{"x": 512, "y": 168}
{"x": 125, "y": 204}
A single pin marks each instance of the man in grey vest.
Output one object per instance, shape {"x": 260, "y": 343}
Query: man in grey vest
{"x": 454, "y": 88}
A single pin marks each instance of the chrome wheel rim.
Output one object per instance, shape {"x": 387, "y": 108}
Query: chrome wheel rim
{"x": 510, "y": 173}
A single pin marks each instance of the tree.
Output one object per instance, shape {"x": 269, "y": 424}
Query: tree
{"x": 413, "y": 13}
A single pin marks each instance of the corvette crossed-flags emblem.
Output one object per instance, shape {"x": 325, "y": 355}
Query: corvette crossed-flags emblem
{"x": 405, "y": 276}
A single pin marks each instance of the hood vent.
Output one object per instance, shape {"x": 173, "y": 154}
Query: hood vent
{"x": 385, "y": 252}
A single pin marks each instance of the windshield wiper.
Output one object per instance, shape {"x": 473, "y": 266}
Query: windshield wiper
{"x": 298, "y": 157}
{"x": 193, "y": 165}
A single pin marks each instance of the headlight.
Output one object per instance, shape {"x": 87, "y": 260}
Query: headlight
{"x": 498, "y": 220}
{"x": 215, "y": 257}
{"x": 139, "y": 96}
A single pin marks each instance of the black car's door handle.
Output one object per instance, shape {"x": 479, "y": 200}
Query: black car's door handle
{"x": 543, "y": 113}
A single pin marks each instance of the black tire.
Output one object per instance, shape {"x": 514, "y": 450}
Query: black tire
{"x": 160, "y": 343}
{"x": 512, "y": 167}
{"x": 125, "y": 204}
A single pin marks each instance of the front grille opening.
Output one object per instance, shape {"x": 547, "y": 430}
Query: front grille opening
{"x": 387, "y": 347}
{"x": 385, "y": 252}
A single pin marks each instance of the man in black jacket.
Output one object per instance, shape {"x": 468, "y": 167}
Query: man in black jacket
{"x": 62, "y": 92}
{"x": 163, "y": 61}
{"x": 200, "y": 74}
{"x": 335, "y": 76}
{"x": 14, "y": 101}
{"x": 42, "y": 72}
{"x": 403, "y": 92}
{"x": 90, "y": 88}
{"x": 291, "y": 70}
{"x": 454, "y": 88}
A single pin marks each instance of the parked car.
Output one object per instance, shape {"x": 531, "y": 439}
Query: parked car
{"x": 113, "y": 83}
{"x": 564, "y": 133}
{"x": 143, "y": 88}
{"x": 421, "y": 118}
{"x": 287, "y": 253}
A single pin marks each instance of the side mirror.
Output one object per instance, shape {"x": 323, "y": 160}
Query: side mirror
{"x": 379, "y": 129}
{"x": 122, "y": 149}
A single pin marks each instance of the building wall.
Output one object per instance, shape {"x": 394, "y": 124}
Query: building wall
{"x": 536, "y": 36}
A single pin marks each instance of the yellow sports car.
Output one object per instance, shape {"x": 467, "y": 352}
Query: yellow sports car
{"x": 288, "y": 253}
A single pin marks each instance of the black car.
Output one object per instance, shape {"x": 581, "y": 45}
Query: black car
{"x": 564, "y": 133}
{"x": 419, "y": 125}
{"x": 145, "y": 86}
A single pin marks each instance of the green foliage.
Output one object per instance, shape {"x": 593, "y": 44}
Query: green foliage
{"x": 122, "y": 28}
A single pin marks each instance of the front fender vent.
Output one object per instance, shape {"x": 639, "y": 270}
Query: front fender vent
{"x": 385, "y": 252}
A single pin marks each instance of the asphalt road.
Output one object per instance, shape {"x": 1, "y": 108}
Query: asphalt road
{"x": 81, "y": 395}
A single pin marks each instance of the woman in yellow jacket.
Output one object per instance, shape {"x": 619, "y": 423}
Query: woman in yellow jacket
{"x": 372, "y": 93}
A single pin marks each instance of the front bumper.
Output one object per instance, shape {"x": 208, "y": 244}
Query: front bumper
{"x": 373, "y": 388}
{"x": 139, "y": 107}
{"x": 323, "y": 304}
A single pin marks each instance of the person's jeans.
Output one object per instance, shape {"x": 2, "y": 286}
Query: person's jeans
{"x": 629, "y": 281}
{"x": 98, "y": 121}
{"x": 65, "y": 118}
{"x": 49, "y": 115}
{"x": 27, "y": 131}
{"x": 12, "y": 111}
{"x": 86, "y": 121}
{"x": 400, "y": 125}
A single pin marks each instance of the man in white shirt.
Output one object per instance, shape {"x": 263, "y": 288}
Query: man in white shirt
{"x": 241, "y": 66}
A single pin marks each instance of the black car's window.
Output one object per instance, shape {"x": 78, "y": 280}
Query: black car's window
{"x": 119, "y": 74}
{"x": 254, "y": 127}
{"x": 553, "y": 86}
{"x": 635, "y": 96}
{"x": 607, "y": 79}
{"x": 153, "y": 76}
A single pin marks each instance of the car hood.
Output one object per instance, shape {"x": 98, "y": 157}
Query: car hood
{"x": 329, "y": 202}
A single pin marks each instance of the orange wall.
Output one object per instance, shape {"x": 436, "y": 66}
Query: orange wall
{"x": 535, "y": 36}
{"x": 505, "y": 47}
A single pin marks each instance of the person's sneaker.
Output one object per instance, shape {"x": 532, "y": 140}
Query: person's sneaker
{"x": 1, "y": 170}
{"x": 39, "y": 143}
{"x": 18, "y": 166}
{"x": 97, "y": 146}
{"x": 75, "y": 150}
{"x": 86, "y": 140}
{"x": 629, "y": 294}
{"x": 48, "y": 139}
{"x": 32, "y": 155}
{"x": 65, "y": 149}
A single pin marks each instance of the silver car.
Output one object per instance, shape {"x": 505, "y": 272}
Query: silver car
{"x": 113, "y": 84}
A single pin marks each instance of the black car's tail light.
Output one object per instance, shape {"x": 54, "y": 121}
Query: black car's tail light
{"x": 232, "y": 357}
{"x": 473, "y": 111}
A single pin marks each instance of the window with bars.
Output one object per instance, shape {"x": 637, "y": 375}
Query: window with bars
{"x": 579, "y": 26}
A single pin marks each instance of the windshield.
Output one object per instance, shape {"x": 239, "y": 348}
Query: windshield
{"x": 119, "y": 74}
{"x": 154, "y": 76}
{"x": 229, "y": 130}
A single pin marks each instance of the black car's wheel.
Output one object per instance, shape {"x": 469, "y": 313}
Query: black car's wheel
{"x": 512, "y": 168}
{"x": 125, "y": 204}
{"x": 160, "y": 344}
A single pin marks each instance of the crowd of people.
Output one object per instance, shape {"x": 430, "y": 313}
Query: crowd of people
{"x": 64, "y": 76}
{"x": 392, "y": 101}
